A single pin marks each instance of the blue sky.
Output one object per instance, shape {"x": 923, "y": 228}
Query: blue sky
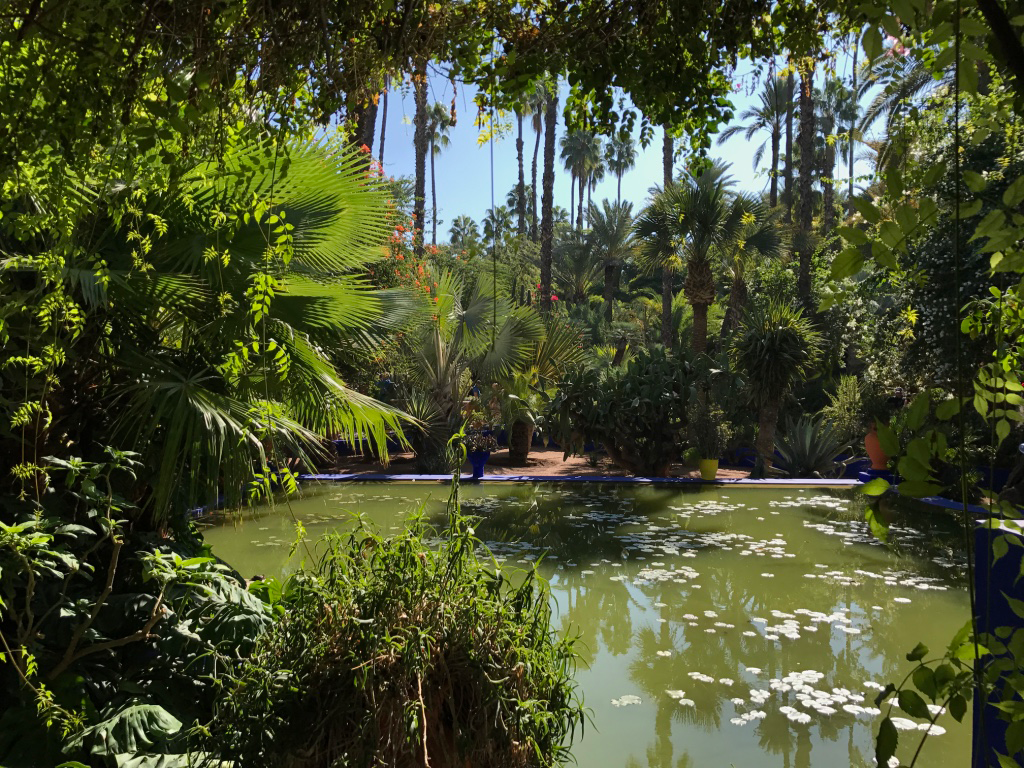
{"x": 464, "y": 167}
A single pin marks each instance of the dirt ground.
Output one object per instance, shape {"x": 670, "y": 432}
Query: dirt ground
{"x": 541, "y": 461}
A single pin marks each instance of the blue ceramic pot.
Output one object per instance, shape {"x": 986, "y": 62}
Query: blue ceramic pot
{"x": 478, "y": 459}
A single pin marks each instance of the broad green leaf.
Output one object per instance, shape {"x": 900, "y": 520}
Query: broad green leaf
{"x": 912, "y": 703}
{"x": 958, "y": 707}
{"x": 919, "y": 652}
{"x": 1017, "y": 606}
{"x": 867, "y": 209}
{"x": 919, "y": 489}
{"x": 924, "y": 680}
{"x": 1014, "y": 194}
{"x": 886, "y": 742}
{"x": 974, "y": 181}
{"x": 947, "y": 409}
{"x": 918, "y": 411}
{"x": 852, "y": 235}
{"x": 847, "y": 263}
{"x": 875, "y": 487}
{"x": 887, "y": 438}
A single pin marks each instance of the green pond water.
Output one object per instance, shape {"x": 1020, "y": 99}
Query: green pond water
{"x": 710, "y": 619}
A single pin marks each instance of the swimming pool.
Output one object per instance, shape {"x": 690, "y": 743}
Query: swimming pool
{"x": 719, "y": 626}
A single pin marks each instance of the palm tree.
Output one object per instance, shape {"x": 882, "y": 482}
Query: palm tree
{"x": 547, "y": 224}
{"x": 594, "y": 177}
{"x": 776, "y": 346}
{"x": 620, "y": 157}
{"x": 420, "y": 145}
{"x": 210, "y": 366}
{"x": 576, "y": 270}
{"x": 439, "y": 122}
{"x": 581, "y": 153}
{"x": 788, "y": 191}
{"x": 769, "y": 117}
{"x": 497, "y": 223}
{"x": 512, "y": 199}
{"x": 464, "y": 234}
{"x": 833, "y": 107}
{"x": 761, "y": 239}
{"x": 703, "y": 215}
{"x": 659, "y": 240}
{"x": 521, "y": 185}
{"x": 805, "y": 212}
{"x": 536, "y": 103}
{"x": 612, "y": 240}
{"x": 383, "y": 118}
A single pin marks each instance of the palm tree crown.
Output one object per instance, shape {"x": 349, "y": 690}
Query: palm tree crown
{"x": 768, "y": 117}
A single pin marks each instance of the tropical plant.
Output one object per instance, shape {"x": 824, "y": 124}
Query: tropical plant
{"x": 464, "y": 233}
{"x": 611, "y": 240}
{"x": 576, "y": 270}
{"x": 658, "y": 245}
{"x": 845, "y": 410}
{"x": 638, "y": 411}
{"x": 619, "y": 157}
{"x": 761, "y": 239}
{"x": 205, "y": 317}
{"x": 776, "y": 346}
{"x": 417, "y": 648}
{"x": 581, "y": 154}
{"x": 768, "y": 117}
{"x": 497, "y": 224}
{"x": 708, "y": 428}
{"x": 809, "y": 446}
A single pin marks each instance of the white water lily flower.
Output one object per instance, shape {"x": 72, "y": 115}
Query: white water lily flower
{"x": 753, "y": 670}
{"x": 738, "y": 702}
{"x": 933, "y": 730}
{"x": 676, "y": 694}
{"x": 903, "y": 724}
{"x": 626, "y": 701}
{"x": 686, "y": 703}
{"x": 935, "y": 709}
{"x": 738, "y": 721}
{"x": 664, "y": 653}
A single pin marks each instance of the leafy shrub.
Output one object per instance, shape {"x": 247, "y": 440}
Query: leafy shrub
{"x": 638, "y": 412}
{"x": 808, "y": 447}
{"x": 709, "y": 429}
{"x": 845, "y": 411}
{"x": 390, "y": 652}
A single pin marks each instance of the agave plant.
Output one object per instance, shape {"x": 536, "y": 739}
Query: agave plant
{"x": 809, "y": 447}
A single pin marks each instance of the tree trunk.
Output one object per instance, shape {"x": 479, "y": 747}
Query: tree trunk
{"x": 366, "y": 123}
{"x": 519, "y": 437}
{"x": 420, "y": 144}
{"x": 533, "y": 189}
{"x": 609, "y": 291}
{"x": 700, "y": 328}
{"x": 767, "y": 418}
{"x": 433, "y": 197}
{"x": 618, "y": 188}
{"x": 773, "y": 189}
{"x": 383, "y": 119}
{"x": 737, "y": 303}
{"x": 667, "y": 272}
{"x": 548, "y": 200}
{"x": 667, "y": 331}
{"x": 521, "y": 189}
{"x": 805, "y": 213}
{"x": 572, "y": 199}
{"x": 579, "y": 211}
{"x": 828, "y": 192}
{"x": 853, "y": 127}
{"x": 788, "y": 191}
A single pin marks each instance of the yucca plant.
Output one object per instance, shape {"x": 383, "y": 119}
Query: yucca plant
{"x": 775, "y": 347}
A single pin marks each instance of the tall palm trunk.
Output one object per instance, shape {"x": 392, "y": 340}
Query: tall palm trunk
{"x": 773, "y": 189}
{"x": 533, "y": 189}
{"x": 521, "y": 189}
{"x": 668, "y": 271}
{"x": 700, "y": 328}
{"x": 828, "y": 192}
{"x": 548, "y": 200}
{"x": 383, "y": 118}
{"x": 805, "y": 213}
{"x": 618, "y": 188}
{"x": 433, "y": 196}
{"x": 420, "y": 144}
{"x": 572, "y": 196}
{"x": 579, "y": 211}
{"x": 853, "y": 126}
{"x": 788, "y": 191}
{"x": 366, "y": 123}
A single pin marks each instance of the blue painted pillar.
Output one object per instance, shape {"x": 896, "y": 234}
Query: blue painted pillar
{"x": 992, "y": 583}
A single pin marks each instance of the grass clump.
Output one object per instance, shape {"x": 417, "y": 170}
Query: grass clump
{"x": 400, "y": 651}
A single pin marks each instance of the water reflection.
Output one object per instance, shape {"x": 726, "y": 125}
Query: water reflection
{"x": 692, "y": 591}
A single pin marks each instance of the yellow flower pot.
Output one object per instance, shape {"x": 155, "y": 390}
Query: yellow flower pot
{"x": 708, "y": 469}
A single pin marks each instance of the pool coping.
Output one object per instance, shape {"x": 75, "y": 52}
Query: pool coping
{"x": 609, "y": 479}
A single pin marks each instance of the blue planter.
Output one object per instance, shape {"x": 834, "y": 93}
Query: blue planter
{"x": 478, "y": 459}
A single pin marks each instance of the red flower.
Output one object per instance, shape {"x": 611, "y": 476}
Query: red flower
{"x": 364, "y": 148}
{"x": 554, "y": 298}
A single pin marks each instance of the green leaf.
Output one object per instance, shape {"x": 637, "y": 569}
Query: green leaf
{"x": 1002, "y": 430}
{"x": 958, "y": 707}
{"x": 847, "y": 263}
{"x": 919, "y": 489}
{"x": 924, "y": 680}
{"x": 885, "y": 743}
{"x": 972, "y": 208}
{"x": 918, "y": 411}
{"x": 947, "y": 409}
{"x": 887, "y": 438}
{"x": 1017, "y": 606}
{"x": 912, "y": 703}
{"x": 875, "y": 487}
{"x": 872, "y": 42}
{"x": 919, "y": 652}
{"x": 867, "y": 209}
{"x": 1014, "y": 193}
{"x": 852, "y": 235}
{"x": 974, "y": 180}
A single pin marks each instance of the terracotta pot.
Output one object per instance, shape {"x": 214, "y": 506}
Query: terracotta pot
{"x": 519, "y": 438}
{"x": 879, "y": 458}
{"x": 708, "y": 469}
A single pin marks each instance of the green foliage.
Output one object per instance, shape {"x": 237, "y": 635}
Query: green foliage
{"x": 845, "y": 411}
{"x": 709, "y": 429}
{"x": 112, "y": 639}
{"x": 393, "y": 651}
{"x": 808, "y": 447}
{"x": 637, "y": 412}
